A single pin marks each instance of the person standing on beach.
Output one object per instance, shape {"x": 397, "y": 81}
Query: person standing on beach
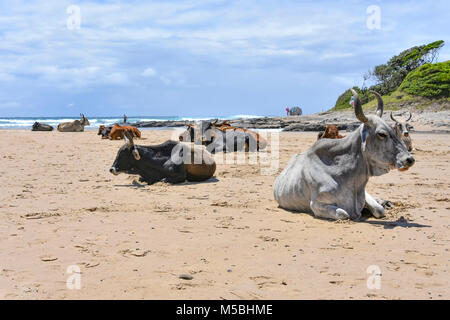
{"x": 124, "y": 118}
{"x": 287, "y": 112}
{"x": 352, "y": 101}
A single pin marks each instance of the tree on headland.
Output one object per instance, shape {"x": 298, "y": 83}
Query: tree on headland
{"x": 389, "y": 77}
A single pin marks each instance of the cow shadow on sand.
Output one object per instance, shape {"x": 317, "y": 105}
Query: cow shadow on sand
{"x": 366, "y": 217}
{"x": 137, "y": 184}
{"x": 191, "y": 183}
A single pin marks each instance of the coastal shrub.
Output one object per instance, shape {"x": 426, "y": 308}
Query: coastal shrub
{"x": 343, "y": 102}
{"x": 390, "y": 75}
{"x": 430, "y": 80}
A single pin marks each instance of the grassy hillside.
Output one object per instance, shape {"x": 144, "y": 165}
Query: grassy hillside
{"x": 430, "y": 80}
{"x": 426, "y": 87}
{"x": 399, "y": 100}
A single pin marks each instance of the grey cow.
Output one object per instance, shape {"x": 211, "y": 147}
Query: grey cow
{"x": 402, "y": 131}
{"x": 329, "y": 179}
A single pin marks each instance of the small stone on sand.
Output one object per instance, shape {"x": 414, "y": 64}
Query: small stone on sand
{"x": 186, "y": 277}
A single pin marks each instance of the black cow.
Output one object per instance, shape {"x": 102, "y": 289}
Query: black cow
{"x": 104, "y": 131}
{"x": 170, "y": 161}
{"x": 37, "y": 126}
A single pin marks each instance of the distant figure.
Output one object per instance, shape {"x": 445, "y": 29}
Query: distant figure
{"x": 124, "y": 118}
{"x": 295, "y": 111}
{"x": 352, "y": 101}
{"x": 287, "y": 111}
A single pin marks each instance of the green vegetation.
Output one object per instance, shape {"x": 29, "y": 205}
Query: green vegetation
{"x": 404, "y": 78}
{"x": 389, "y": 76}
{"x": 430, "y": 80}
{"x": 343, "y": 102}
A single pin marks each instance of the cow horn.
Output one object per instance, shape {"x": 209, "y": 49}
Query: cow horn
{"x": 124, "y": 138}
{"x": 410, "y": 116}
{"x": 358, "y": 108}
{"x": 380, "y": 104}
{"x": 392, "y": 117}
{"x": 128, "y": 138}
{"x": 135, "y": 151}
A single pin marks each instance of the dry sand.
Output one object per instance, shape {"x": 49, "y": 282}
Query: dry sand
{"x": 60, "y": 206}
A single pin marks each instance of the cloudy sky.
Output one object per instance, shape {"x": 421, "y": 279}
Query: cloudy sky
{"x": 199, "y": 57}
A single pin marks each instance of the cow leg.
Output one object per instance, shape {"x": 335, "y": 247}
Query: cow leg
{"x": 176, "y": 176}
{"x": 176, "y": 179}
{"x": 327, "y": 211}
{"x": 148, "y": 179}
{"x": 386, "y": 204}
{"x": 174, "y": 173}
{"x": 375, "y": 208}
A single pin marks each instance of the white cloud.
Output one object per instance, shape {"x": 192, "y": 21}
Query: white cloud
{"x": 6, "y": 77}
{"x": 149, "y": 72}
{"x": 336, "y": 55}
{"x": 173, "y": 78}
{"x": 117, "y": 78}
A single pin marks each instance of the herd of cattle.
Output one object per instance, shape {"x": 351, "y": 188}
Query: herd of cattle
{"x": 74, "y": 126}
{"x": 328, "y": 179}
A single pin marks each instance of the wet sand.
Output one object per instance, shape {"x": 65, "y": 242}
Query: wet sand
{"x": 60, "y": 207}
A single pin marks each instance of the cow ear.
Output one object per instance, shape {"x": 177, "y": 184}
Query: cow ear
{"x": 363, "y": 137}
{"x": 136, "y": 154}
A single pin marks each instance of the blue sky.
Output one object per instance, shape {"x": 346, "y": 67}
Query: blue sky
{"x": 198, "y": 57}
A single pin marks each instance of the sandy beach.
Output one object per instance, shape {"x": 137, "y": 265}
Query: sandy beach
{"x": 61, "y": 207}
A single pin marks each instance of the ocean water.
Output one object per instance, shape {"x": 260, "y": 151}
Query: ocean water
{"x": 95, "y": 122}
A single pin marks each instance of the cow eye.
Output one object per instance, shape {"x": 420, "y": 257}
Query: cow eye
{"x": 381, "y": 135}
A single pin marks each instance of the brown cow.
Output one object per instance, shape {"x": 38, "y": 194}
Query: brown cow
{"x": 118, "y": 131}
{"x": 331, "y": 132}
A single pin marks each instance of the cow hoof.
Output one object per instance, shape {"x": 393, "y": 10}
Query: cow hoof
{"x": 377, "y": 211}
{"x": 341, "y": 214}
{"x": 385, "y": 203}
{"x": 378, "y": 214}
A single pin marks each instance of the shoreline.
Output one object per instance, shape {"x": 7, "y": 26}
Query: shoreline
{"x": 427, "y": 121}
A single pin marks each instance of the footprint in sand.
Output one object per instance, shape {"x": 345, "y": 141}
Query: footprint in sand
{"x": 48, "y": 258}
{"x": 135, "y": 252}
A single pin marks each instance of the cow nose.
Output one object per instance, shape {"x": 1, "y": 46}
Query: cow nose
{"x": 410, "y": 161}
{"x": 406, "y": 134}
